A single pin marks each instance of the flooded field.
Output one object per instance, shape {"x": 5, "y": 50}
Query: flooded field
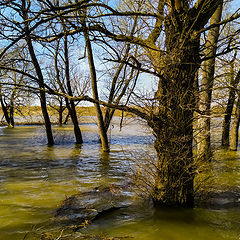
{"x": 36, "y": 178}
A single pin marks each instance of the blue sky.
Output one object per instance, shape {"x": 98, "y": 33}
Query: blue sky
{"x": 236, "y": 4}
{"x": 145, "y": 81}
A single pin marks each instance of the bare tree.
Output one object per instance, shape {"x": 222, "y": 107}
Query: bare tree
{"x": 207, "y": 78}
{"x": 102, "y": 130}
{"x": 24, "y": 13}
{"x": 171, "y": 42}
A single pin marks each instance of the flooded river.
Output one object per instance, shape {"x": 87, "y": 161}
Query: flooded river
{"x": 35, "y": 178}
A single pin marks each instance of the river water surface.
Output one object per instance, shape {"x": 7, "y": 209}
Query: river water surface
{"x": 35, "y": 178}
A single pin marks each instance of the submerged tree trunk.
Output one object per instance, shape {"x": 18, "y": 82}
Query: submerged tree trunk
{"x": 228, "y": 113}
{"x": 172, "y": 120}
{"x": 42, "y": 93}
{"x": 43, "y": 102}
{"x": 205, "y": 97}
{"x": 70, "y": 104}
{"x": 173, "y": 130}
{"x": 102, "y": 130}
{"x": 173, "y": 124}
{"x": 73, "y": 114}
{"x": 235, "y": 127}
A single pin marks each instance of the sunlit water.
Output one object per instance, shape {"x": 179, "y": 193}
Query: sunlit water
{"x": 35, "y": 178}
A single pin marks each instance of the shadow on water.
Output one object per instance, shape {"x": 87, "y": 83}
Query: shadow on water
{"x": 36, "y": 178}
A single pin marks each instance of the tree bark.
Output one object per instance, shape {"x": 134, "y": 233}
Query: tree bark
{"x": 172, "y": 120}
{"x": 173, "y": 128}
{"x": 205, "y": 97}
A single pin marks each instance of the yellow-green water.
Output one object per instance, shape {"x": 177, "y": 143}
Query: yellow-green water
{"x": 35, "y": 178}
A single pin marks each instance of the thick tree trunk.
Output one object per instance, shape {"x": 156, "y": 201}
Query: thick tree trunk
{"x": 70, "y": 104}
{"x": 102, "y": 130}
{"x": 172, "y": 120}
{"x": 174, "y": 179}
{"x": 174, "y": 136}
{"x": 173, "y": 125}
{"x": 228, "y": 113}
{"x": 205, "y": 97}
{"x": 235, "y": 127}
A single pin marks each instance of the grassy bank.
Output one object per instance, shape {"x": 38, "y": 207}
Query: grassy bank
{"x": 32, "y": 115}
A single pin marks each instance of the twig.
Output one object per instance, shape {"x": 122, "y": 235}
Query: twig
{"x": 60, "y": 235}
